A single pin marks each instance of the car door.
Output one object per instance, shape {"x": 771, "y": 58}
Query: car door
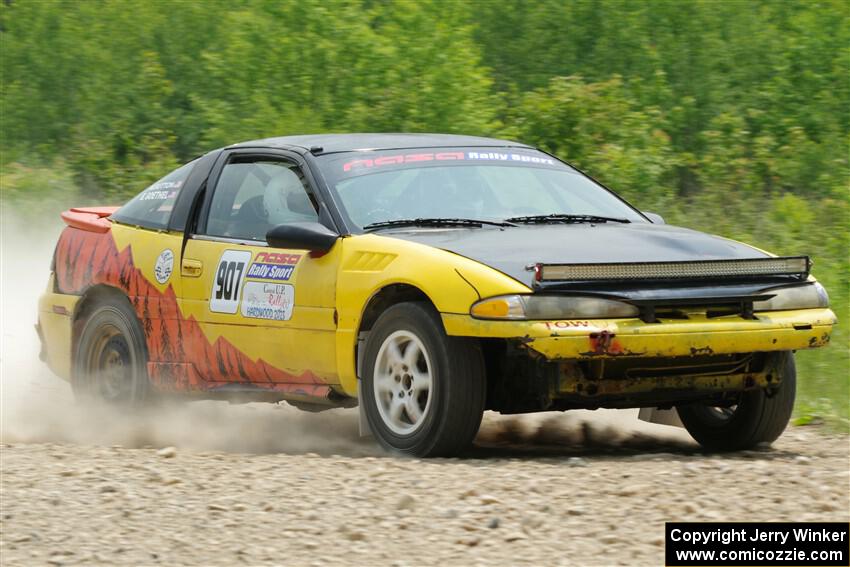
{"x": 267, "y": 314}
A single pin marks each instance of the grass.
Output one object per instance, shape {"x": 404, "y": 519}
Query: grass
{"x": 823, "y": 377}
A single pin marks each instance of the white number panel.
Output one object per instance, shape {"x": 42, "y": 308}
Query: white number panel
{"x": 227, "y": 282}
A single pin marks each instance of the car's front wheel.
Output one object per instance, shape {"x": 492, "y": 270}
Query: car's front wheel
{"x": 759, "y": 416}
{"x": 422, "y": 391}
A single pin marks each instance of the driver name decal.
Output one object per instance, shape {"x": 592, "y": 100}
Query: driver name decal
{"x": 161, "y": 191}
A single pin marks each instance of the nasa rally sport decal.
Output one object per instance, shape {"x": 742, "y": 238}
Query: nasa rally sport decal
{"x": 164, "y": 266}
{"x": 227, "y": 282}
{"x": 274, "y": 266}
{"x": 263, "y": 300}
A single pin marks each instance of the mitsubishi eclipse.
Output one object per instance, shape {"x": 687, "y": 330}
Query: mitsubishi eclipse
{"x": 426, "y": 279}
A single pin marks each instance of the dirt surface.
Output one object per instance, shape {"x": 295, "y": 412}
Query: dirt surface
{"x": 556, "y": 492}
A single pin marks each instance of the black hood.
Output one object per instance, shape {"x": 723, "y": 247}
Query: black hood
{"x": 513, "y": 249}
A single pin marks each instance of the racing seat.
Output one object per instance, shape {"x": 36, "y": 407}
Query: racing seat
{"x": 250, "y": 220}
{"x": 285, "y": 200}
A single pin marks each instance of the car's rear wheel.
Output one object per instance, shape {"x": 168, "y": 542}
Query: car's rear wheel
{"x": 759, "y": 416}
{"x": 422, "y": 391}
{"x": 110, "y": 362}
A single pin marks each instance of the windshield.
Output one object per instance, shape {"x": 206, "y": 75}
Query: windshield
{"x": 460, "y": 183}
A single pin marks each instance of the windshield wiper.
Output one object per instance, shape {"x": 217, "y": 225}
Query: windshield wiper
{"x": 563, "y": 218}
{"x": 435, "y": 222}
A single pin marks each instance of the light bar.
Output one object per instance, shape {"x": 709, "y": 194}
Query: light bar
{"x": 696, "y": 270}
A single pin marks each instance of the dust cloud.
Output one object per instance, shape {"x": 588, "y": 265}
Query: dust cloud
{"x": 38, "y": 407}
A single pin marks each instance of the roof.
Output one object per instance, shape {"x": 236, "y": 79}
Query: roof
{"x": 331, "y": 143}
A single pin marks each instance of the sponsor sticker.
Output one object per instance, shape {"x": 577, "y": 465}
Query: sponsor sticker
{"x": 368, "y": 163}
{"x": 164, "y": 266}
{"x": 273, "y": 266}
{"x": 499, "y": 156}
{"x": 226, "y": 287}
{"x": 261, "y": 300}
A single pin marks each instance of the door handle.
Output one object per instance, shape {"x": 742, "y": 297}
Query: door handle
{"x": 191, "y": 268}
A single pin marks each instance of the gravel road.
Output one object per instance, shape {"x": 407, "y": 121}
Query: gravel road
{"x": 547, "y": 491}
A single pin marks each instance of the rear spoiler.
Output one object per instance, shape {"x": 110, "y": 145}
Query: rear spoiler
{"x": 92, "y": 219}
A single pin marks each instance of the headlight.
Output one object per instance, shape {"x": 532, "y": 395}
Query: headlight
{"x": 809, "y": 296}
{"x": 544, "y": 307}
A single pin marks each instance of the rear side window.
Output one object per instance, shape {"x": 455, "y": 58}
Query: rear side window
{"x": 152, "y": 207}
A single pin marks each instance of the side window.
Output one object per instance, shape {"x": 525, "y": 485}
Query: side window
{"x": 152, "y": 207}
{"x": 252, "y": 196}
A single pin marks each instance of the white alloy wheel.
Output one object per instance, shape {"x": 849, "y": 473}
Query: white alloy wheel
{"x": 402, "y": 382}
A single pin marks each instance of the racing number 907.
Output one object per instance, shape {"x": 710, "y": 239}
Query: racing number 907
{"x": 227, "y": 279}
{"x": 227, "y": 283}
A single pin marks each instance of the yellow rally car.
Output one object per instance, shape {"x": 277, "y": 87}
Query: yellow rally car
{"x": 427, "y": 278}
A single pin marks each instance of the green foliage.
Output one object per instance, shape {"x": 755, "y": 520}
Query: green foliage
{"x": 599, "y": 128}
{"x": 731, "y": 117}
{"x": 121, "y": 88}
{"x": 23, "y": 184}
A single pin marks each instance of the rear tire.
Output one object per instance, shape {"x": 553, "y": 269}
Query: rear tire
{"x": 110, "y": 362}
{"x": 760, "y": 417}
{"x": 423, "y": 392}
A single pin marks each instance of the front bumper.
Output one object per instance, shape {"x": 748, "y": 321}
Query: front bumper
{"x": 695, "y": 335}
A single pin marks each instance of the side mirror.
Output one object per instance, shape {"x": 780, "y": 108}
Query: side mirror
{"x": 654, "y": 218}
{"x": 310, "y": 236}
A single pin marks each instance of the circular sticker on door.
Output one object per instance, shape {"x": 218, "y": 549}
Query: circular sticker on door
{"x": 164, "y": 266}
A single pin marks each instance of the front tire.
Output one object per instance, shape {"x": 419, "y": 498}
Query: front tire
{"x": 422, "y": 391}
{"x": 759, "y": 417}
{"x": 110, "y": 362}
